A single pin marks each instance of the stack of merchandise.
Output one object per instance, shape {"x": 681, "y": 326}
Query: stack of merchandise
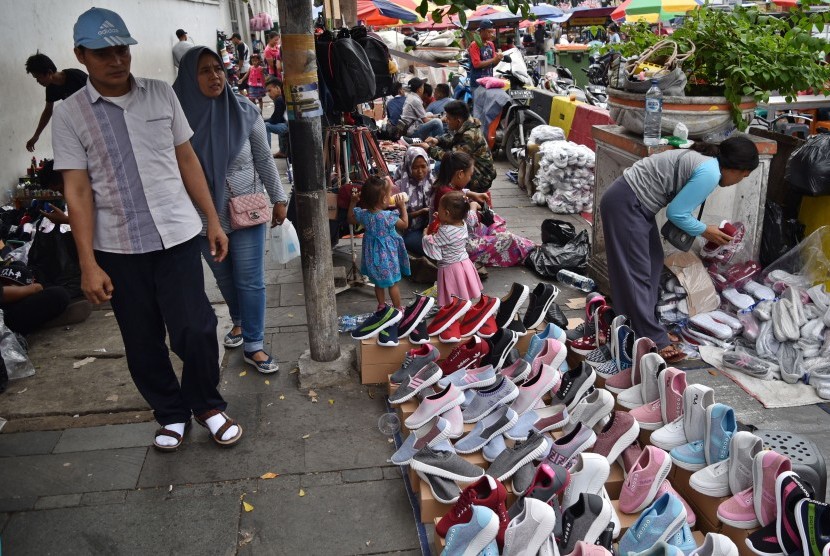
{"x": 619, "y": 448}
{"x": 565, "y": 178}
{"x": 672, "y": 307}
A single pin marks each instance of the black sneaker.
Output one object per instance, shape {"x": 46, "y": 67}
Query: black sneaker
{"x": 500, "y": 345}
{"x": 414, "y": 314}
{"x": 557, "y": 317}
{"x": 372, "y": 326}
{"x": 419, "y": 335}
{"x": 575, "y": 384}
{"x": 517, "y": 327}
{"x": 813, "y": 520}
{"x": 511, "y": 303}
{"x": 606, "y": 539}
{"x": 541, "y": 299}
{"x": 388, "y": 337}
{"x": 584, "y": 521}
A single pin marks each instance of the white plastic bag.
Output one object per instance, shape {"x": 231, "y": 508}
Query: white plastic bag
{"x": 285, "y": 245}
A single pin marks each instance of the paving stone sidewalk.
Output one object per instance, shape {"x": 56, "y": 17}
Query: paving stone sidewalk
{"x": 90, "y": 484}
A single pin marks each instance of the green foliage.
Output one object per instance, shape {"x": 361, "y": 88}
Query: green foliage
{"x": 745, "y": 52}
{"x": 448, "y": 8}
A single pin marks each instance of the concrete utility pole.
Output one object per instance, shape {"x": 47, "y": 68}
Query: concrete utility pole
{"x": 323, "y": 363}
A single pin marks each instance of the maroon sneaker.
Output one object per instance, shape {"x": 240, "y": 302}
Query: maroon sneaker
{"x": 448, "y": 314}
{"x": 466, "y": 356}
{"x": 616, "y": 436}
{"x": 487, "y": 492}
{"x": 479, "y": 314}
{"x": 630, "y": 456}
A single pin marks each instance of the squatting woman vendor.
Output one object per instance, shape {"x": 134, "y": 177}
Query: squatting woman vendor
{"x": 680, "y": 181}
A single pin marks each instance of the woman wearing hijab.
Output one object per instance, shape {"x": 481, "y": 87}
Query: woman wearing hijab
{"x": 414, "y": 178}
{"x": 229, "y": 138}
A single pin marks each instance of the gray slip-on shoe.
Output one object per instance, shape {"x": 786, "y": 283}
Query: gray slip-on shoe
{"x": 486, "y": 401}
{"x": 500, "y": 420}
{"x": 446, "y": 464}
{"x": 530, "y": 529}
{"x": 432, "y": 433}
{"x": 417, "y": 382}
{"x": 443, "y": 490}
{"x": 522, "y": 452}
{"x": 414, "y": 360}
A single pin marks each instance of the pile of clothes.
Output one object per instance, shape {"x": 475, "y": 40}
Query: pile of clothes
{"x": 565, "y": 179}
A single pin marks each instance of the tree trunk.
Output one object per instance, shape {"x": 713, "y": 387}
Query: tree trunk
{"x": 305, "y": 133}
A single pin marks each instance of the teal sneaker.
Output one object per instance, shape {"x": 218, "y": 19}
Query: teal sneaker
{"x": 683, "y": 540}
{"x": 721, "y": 426}
{"x": 691, "y": 456}
{"x": 659, "y": 522}
{"x": 476, "y": 535}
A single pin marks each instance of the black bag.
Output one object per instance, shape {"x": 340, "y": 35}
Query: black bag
{"x": 378, "y": 55}
{"x": 486, "y": 215}
{"x": 808, "y": 169}
{"x": 549, "y": 258}
{"x": 345, "y": 69}
{"x": 779, "y": 235}
{"x": 53, "y": 259}
{"x": 557, "y": 231}
{"x": 674, "y": 235}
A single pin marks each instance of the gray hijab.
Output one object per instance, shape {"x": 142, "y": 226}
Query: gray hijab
{"x": 220, "y": 125}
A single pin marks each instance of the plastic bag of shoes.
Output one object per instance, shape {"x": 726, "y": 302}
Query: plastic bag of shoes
{"x": 791, "y": 362}
{"x": 749, "y": 365}
{"x": 751, "y": 327}
{"x": 763, "y": 310}
{"x": 766, "y": 345}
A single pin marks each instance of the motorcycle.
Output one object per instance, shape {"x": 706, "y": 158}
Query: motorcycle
{"x": 461, "y": 83}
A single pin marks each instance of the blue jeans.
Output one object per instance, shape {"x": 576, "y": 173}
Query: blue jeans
{"x": 432, "y": 128}
{"x": 241, "y": 279}
{"x": 413, "y": 241}
{"x": 282, "y": 134}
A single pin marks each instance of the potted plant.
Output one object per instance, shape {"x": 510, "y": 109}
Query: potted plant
{"x": 738, "y": 57}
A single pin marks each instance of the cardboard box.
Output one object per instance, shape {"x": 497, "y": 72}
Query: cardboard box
{"x": 644, "y": 437}
{"x": 430, "y": 507}
{"x": 705, "y": 507}
{"x": 615, "y": 481}
{"x": 414, "y": 480}
{"x": 405, "y": 410}
{"x": 739, "y": 537}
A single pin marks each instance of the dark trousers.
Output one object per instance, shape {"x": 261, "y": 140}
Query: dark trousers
{"x": 161, "y": 288}
{"x": 30, "y": 313}
{"x": 635, "y": 259}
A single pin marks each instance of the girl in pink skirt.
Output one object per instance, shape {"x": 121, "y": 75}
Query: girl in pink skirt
{"x": 447, "y": 246}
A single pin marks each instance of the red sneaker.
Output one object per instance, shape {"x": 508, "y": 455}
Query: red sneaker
{"x": 451, "y": 334}
{"x": 478, "y": 314}
{"x": 486, "y": 491}
{"x": 489, "y": 328}
{"x": 448, "y": 314}
{"x": 466, "y": 356}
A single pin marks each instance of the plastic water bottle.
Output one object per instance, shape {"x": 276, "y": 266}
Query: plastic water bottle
{"x": 576, "y": 280}
{"x": 654, "y": 115}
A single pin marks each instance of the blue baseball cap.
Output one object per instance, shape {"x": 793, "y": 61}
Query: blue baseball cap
{"x": 485, "y": 24}
{"x": 100, "y": 28}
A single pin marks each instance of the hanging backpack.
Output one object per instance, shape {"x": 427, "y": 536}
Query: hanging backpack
{"x": 345, "y": 69}
{"x": 378, "y": 55}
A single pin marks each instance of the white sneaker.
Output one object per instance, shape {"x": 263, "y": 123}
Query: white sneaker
{"x": 615, "y": 519}
{"x": 670, "y": 436}
{"x": 529, "y": 530}
{"x": 589, "y": 473}
{"x": 591, "y": 409}
{"x": 648, "y": 390}
{"x": 712, "y": 480}
{"x": 696, "y": 399}
{"x": 716, "y": 544}
{"x": 742, "y": 450}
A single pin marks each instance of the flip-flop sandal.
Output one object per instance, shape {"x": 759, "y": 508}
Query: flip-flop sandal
{"x": 671, "y": 359}
{"x": 179, "y": 438}
{"x": 202, "y": 420}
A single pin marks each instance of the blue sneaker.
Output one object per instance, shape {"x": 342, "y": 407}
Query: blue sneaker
{"x": 372, "y": 326}
{"x": 538, "y": 340}
{"x": 475, "y": 536}
{"x": 659, "y": 522}
{"x": 721, "y": 426}
{"x": 388, "y": 337}
{"x": 659, "y": 549}
{"x": 691, "y": 456}
{"x": 493, "y": 448}
{"x": 683, "y": 540}
{"x": 491, "y": 549}
{"x": 625, "y": 347}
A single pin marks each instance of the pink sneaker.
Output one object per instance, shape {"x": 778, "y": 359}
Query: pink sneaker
{"x": 620, "y": 381}
{"x": 434, "y": 405}
{"x": 553, "y": 353}
{"x": 739, "y": 511}
{"x": 455, "y": 417}
{"x": 691, "y": 518}
{"x": 583, "y": 548}
{"x": 532, "y": 389}
{"x": 644, "y": 479}
{"x": 617, "y": 435}
{"x": 649, "y": 416}
{"x": 766, "y": 466}
{"x": 672, "y": 385}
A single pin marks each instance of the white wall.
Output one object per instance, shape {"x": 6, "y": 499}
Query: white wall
{"x": 46, "y": 25}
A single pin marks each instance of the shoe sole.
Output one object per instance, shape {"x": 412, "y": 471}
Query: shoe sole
{"x": 446, "y": 407}
{"x": 688, "y": 466}
{"x": 423, "y": 386}
{"x": 504, "y": 401}
{"x": 430, "y": 301}
{"x": 255, "y": 364}
{"x": 388, "y": 344}
{"x": 507, "y": 427}
{"x": 704, "y": 489}
{"x": 418, "y": 342}
{"x": 665, "y": 467}
{"x": 522, "y": 298}
{"x": 738, "y": 524}
{"x": 458, "y": 315}
{"x": 231, "y": 345}
{"x": 439, "y": 472}
{"x": 599, "y": 524}
{"x": 545, "y": 309}
{"x": 582, "y": 351}
{"x": 384, "y": 326}
{"x": 483, "y": 319}
{"x": 453, "y": 340}
{"x": 538, "y": 452}
{"x": 483, "y": 538}
{"x": 626, "y": 440}
{"x": 761, "y": 552}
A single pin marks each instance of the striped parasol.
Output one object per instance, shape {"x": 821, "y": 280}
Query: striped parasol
{"x": 653, "y": 11}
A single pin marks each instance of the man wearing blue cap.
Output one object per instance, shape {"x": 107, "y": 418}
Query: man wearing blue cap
{"x": 483, "y": 57}
{"x": 132, "y": 178}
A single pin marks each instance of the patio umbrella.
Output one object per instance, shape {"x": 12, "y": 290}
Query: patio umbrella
{"x": 499, "y": 15}
{"x": 544, "y": 11}
{"x": 652, "y": 11}
{"x": 398, "y": 9}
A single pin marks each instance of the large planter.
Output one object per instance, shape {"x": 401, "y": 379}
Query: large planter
{"x": 701, "y": 115}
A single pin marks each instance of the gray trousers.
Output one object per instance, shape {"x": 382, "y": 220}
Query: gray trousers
{"x": 635, "y": 259}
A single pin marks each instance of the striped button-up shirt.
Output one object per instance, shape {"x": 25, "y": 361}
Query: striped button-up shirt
{"x": 128, "y": 148}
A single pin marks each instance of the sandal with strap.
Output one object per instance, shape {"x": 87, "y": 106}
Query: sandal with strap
{"x": 672, "y": 354}
{"x": 217, "y": 437}
{"x": 179, "y": 438}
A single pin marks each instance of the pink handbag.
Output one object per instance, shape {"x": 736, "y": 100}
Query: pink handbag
{"x": 249, "y": 210}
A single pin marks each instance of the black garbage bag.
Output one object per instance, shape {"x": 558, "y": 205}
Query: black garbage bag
{"x": 549, "y": 258}
{"x": 557, "y": 231}
{"x": 53, "y": 259}
{"x": 808, "y": 169}
{"x": 779, "y": 235}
